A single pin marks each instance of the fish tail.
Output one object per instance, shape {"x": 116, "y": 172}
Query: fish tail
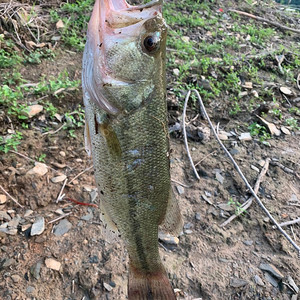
{"x": 149, "y": 286}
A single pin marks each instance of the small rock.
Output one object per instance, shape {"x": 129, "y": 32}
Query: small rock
{"x": 16, "y": 278}
{"x": 14, "y": 222}
{"x": 87, "y": 217}
{"x": 294, "y": 297}
{"x": 107, "y": 287}
{"x": 226, "y": 207}
{"x": 188, "y": 231}
{"x": 28, "y": 212}
{"x": 53, "y": 264}
{"x": 40, "y": 169}
{"x": 25, "y": 227}
{"x": 219, "y": 177}
{"x": 255, "y": 93}
{"x": 258, "y": 280}
{"x": 62, "y": 227}
{"x": 262, "y": 162}
{"x": 285, "y": 130}
{"x": 9, "y": 231}
{"x": 237, "y": 282}
{"x": 176, "y": 72}
{"x": 243, "y": 94}
{"x": 38, "y": 226}
{"x": 35, "y": 270}
{"x": 58, "y": 179}
{"x": 223, "y": 137}
{"x": 7, "y": 262}
{"x": 180, "y": 189}
{"x": 30, "y": 289}
{"x": 292, "y": 284}
{"x": 246, "y": 136}
{"x": 254, "y": 168}
{"x": 32, "y": 110}
{"x": 248, "y": 243}
{"x": 272, "y": 270}
{"x": 286, "y": 91}
{"x": 247, "y": 85}
{"x": 198, "y": 216}
{"x": 234, "y": 151}
{"x": 186, "y": 39}
{"x": 168, "y": 239}
{"x": 62, "y": 153}
{"x": 59, "y": 24}
{"x": 271, "y": 279}
{"x": 4, "y": 216}
{"x": 3, "y": 199}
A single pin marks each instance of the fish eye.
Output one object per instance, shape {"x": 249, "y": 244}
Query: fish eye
{"x": 152, "y": 42}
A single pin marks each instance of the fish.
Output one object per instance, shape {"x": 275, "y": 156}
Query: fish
{"x": 126, "y": 133}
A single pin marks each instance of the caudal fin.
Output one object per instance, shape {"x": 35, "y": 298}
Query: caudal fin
{"x": 149, "y": 286}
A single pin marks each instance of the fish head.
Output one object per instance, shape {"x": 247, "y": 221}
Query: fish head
{"x": 124, "y": 59}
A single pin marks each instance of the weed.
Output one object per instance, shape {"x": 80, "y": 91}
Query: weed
{"x": 10, "y": 142}
{"x": 237, "y": 206}
{"x": 293, "y": 123}
{"x": 261, "y": 132}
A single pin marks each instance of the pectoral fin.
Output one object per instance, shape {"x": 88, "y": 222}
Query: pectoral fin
{"x": 172, "y": 222}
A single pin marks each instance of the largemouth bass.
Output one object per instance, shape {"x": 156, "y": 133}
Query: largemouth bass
{"x": 124, "y": 92}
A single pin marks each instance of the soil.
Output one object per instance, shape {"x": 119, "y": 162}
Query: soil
{"x": 209, "y": 262}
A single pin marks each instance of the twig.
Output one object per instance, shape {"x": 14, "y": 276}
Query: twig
{"x": 59, "y": 218}
{"x": 248, "y": 203}
{"x": 60, "y": 196}
{"x": 11, "y": 197}
{"x": 185, "y": 137}
{"x": 182, "y": 184}
{"x": 53, "y": 132}
{"x": 264, "y": 20}
{"x": 205, "y": 157}
{"x": 30, "y": 159}
{"x": 80, "y": 174}
{"x": 243, "y": 177}
{"x": 289, "y": 223}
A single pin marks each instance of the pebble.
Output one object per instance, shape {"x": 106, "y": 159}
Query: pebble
{"x": 185, "y": 38}
{"x": 7, "y": 262}
{"x": 4, "y": 216}
{"x": 219, "y": 177}
{"x": 286, "y": 91}
{"x": 247, "y": 85}
{"x": 35, "y": 270}
{"x": 107, "y": 287}
{"x": 38, "y": 226}
{"x": 53, "y": 264}
{"x": 237, "y": 282}
{"x": 25, "y": 227}
{"x": 14, "y": 222}
{"x": 28, "y": 212}
{"x": 248, "y": 243}
{"x": 30, "y": 289}
{"x": 223, "y": 137}
{"x": 62, "y": 153}
{"x": 3, "y": 199}
{"x": 16, "y": 278}
{"x": 258, "y": 280}
{"x": 254, "y": 168}
{"x": 176, "y": 72}
{"x": 87, "y": 217}
{"x": 285, "y": 130}
{"x": 292, "y": 284}
{"x": 272, "y": 270}
{"x": 198, "y": 216}
{"x": 9, "y": 231}
{"x": 62, "y": 227}
{"x": 32, "y": 110}
{"x": 188, "y": 231}
{"x": 168, "y": 239}
{"x": 271, "y": 279}
{"x": 180, "y": 189}
{"x": 40, "y": 169}
{"x": 246, "y": 136}
{"x": 234, "y": 151}
{"x": 58, "y": 179}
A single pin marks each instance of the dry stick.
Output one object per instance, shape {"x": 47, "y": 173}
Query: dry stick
{"x": 11, "y": 197}
{"x": 53, "y": 132}
{"x": 61, "y": 191}
{"x": 59, "y": 218}
{"x": 242, "y": 175}
{"x": 264, "y": 20}
{"x": 248, "y": 203}
{"x": 289, "y": 223}
{"x": 284, "y": 168}
{"x": 184, "y": 185}
{"x": 185, "y": 137}
{"x": 80, "y": 174}
{"x": 205, "y": 157}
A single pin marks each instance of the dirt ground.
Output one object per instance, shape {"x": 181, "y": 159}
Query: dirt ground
{"x": 209, "y": 262}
